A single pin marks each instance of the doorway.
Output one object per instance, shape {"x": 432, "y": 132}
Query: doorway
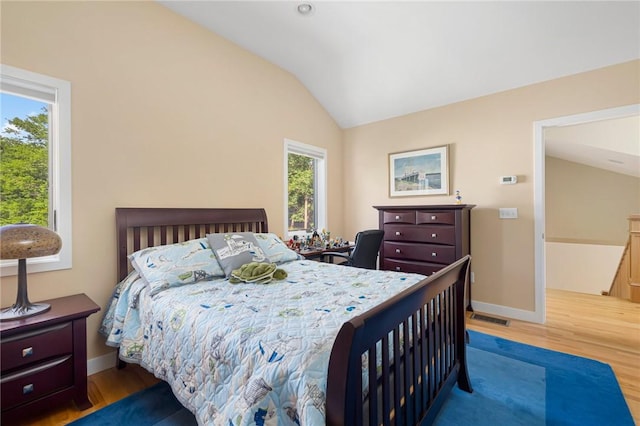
{"x": 539, "y": 188}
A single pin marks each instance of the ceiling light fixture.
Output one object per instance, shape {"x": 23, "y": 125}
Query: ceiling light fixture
{"x": 305, "y": 9}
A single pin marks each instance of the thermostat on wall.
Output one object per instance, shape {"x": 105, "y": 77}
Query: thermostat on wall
{"x": 508, "y": 180}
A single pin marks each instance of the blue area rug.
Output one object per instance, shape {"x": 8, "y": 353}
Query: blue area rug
{"x": 514, "y": 384}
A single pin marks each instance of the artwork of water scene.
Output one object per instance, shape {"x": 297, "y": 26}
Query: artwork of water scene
{"x": 418, "y": 173}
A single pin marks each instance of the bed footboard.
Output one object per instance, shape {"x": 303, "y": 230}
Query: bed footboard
{"x": 396, "y": 363}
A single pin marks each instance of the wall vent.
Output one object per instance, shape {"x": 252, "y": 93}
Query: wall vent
{"x": 493, "y": 320}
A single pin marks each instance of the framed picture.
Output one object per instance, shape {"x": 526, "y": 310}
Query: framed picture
{"x": 421, "y": 172}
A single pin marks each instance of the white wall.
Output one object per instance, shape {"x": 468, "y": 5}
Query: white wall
{"x": 583, "y": 268}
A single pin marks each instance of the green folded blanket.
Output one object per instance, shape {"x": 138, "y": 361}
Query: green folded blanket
{"x": 257, "y": 273}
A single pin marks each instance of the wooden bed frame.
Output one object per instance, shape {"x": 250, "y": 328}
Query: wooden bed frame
{"x": 423, "y": 327}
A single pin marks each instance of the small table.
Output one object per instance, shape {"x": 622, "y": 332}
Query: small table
{"x": 44, "y": 358}
{"x": 315, "y": 253}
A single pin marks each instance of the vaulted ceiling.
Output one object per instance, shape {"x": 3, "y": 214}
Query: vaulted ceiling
{"x": 367, "y": 61}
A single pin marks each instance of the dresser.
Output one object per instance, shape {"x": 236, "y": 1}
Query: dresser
{"x": 424, "y": 238}
{"x": 44, "y": 358}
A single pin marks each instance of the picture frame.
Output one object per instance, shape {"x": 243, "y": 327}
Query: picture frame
{"x": 419, "y": 172}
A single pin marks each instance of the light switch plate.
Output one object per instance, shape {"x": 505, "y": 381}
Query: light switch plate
{"x": 509, "y": 213}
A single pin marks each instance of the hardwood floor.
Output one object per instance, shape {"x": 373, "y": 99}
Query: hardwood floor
{"x": 597, "y": 327}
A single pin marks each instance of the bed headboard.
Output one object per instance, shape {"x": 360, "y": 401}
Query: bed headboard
{"x": 138, "y": 228}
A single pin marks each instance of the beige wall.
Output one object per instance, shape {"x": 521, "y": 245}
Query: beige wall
{"x": 488, "y": 137}
{"x": 158, "y": 102}
{"x": 164, "y": 113}
{"x": 588, "y": 205}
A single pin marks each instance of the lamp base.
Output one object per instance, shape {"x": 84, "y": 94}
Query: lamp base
{"x": 18, "y": 312}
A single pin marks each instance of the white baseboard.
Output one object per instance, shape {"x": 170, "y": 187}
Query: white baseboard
{"x": 506, "y": 312}
{"x": 101, "y": 363}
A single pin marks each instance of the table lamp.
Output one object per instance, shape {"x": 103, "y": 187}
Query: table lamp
{"x": 23, "y": 241}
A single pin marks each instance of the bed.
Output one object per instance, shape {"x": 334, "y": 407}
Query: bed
{"x": 328, "y": 344}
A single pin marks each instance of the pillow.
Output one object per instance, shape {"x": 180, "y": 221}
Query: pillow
{"x": 176, "y": 264}
{"x": 235, "y": 249}
{"x": 276, "y": 250}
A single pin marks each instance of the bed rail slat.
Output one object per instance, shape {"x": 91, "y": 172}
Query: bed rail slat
{"x": 397, "y": 355}
{"x": 136, "y": 238}
{"x": 386, "y": 387}
{"x": 373, "y": 392}
{"x": 417, "y": 374}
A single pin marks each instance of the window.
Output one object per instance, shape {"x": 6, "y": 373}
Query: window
{"x": 305, "y": 188}
{"x": 35, "y": 159}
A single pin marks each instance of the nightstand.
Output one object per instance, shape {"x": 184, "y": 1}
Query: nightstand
{"x": 44, "y": 358}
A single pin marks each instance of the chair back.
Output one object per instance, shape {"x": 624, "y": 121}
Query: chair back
{"x": 367, "y": 246}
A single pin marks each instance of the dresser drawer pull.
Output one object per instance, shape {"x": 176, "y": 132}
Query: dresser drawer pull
{"x": 434, "y": 217}
{"x": 434, "y": 254}
{"x": 397, "y": 268}
{"x": 398, "y": 233}
{"x": 27, "y": 352}
{"x": 434, "y": 235}
{"x": 397, "y": 250}
{"x": 27, "y": 389}
{"x": 397, "y": 217}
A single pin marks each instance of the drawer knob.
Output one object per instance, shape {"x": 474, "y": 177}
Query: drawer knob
{"x": 27, "y": 352}
{"x": 433, "y": 217}
{"x": 397, "y": 217}
{"x": 397, "y": 268}
{"x": 397, "y": 250}
{"x": 27, "y": 389}
{"x": 398, "y": 233}
{"x": 434, "y": 235}
{"x": 434, "y": 254}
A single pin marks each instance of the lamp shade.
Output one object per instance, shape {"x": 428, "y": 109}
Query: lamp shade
{"x": 23, "y": 241}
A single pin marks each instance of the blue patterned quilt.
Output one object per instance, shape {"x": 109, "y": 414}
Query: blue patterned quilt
{"x": 246, "y": 354}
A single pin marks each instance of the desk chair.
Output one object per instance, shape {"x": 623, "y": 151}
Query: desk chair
{"x": 365, "y": 251}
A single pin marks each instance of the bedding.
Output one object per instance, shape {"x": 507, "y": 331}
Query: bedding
{"x": 246, "y": 354}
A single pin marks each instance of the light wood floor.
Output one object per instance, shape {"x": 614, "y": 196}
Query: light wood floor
{"x": 597, "y": 327}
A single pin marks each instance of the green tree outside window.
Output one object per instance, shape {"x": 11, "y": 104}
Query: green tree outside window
{"x": 24, "y": 170}
{"x": 301, "y": 192}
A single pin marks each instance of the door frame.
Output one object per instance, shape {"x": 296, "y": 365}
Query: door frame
{"x": 540, "y": 312}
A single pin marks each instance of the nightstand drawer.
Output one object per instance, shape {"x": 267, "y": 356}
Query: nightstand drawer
{"x": 416, "y": 251}
{"x": 41, "y": 379}
{"x": 30, "y": 347}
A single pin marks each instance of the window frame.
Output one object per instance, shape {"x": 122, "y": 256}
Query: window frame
{"x": 20, "y": 82}
{"x": 319, "y": 154}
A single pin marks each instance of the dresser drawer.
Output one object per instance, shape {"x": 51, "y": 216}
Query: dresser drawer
{"x": 423, "y": 268}
{"x": 30, "y": 347}
{"x": 436, "y": 234}
{"x": 400, "y": 217}
{"x": 446, "y": 218}
{"x": 32, "y": 383}
{"x": 424, "y": 252}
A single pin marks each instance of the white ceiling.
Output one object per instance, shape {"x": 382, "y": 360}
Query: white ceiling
{"x": 612, "y": 145}
{"x": 367, "y": 61}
